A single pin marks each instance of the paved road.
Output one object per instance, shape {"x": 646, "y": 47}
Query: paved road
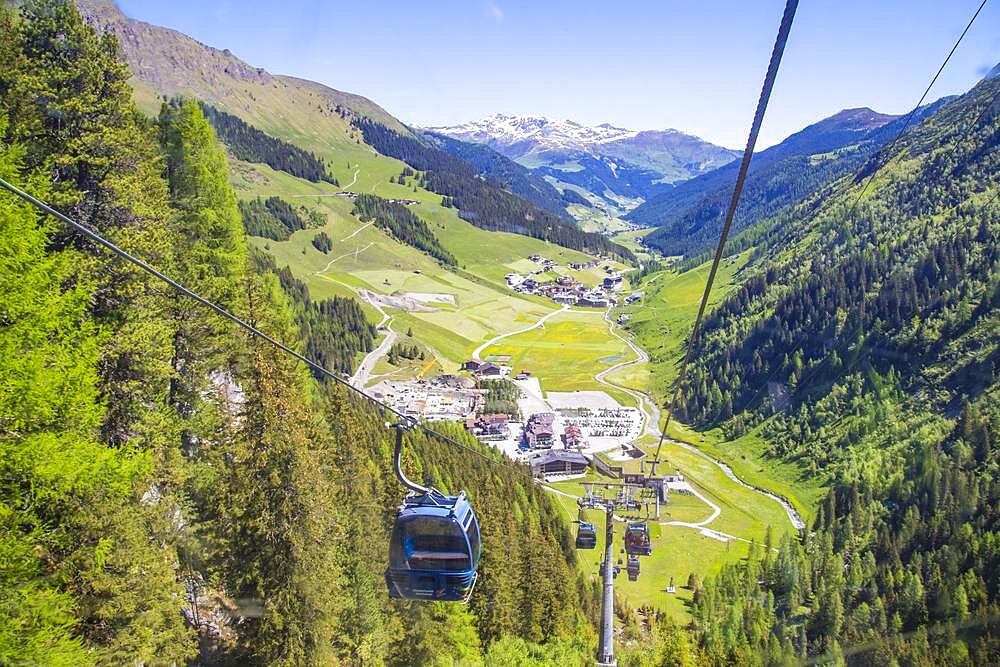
{"x": 361, "y": 376}
{"x": 647, "y": 406}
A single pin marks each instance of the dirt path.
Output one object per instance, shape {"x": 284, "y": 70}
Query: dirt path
{"x": 355, "y": 232}
{"x": 354, "y": 252}
{"x": 353, "y": 180}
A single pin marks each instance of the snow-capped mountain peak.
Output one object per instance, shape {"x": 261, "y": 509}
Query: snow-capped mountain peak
{"x": 503, "y": 130}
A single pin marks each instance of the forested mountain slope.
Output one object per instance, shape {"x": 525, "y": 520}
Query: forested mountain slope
{"x": 863, "y": 344}
{"x": 518, "y": 179}
{"x": 315, "y": 118}
{"x": 690, "y": 215}
{"x": 173, "y": 491}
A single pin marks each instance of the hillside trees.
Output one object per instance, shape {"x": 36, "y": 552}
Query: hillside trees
{"x": 250, "y": 144}
{"x": 145, "y": 445}
{"x": 272, "y": 218}
{"x": 68, "y": 112}
{"x": 403, "y": 224}
{"x": 879, "y": 326}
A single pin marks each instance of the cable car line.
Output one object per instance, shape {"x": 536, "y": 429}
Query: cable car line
{"x": 758, "y": 119}
{"x": 811, "y": 373}
{"x": 682, "y": 375}
{"x": 124, "y": 254}
{"x": 884, "y": 153}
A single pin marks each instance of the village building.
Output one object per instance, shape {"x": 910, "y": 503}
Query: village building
{"x": 490, "y": 370}
{"x": 572, "y": 436}
{"x": 633, "y": 297}
{"x": 539, "y": 432}
{"x": 593, "y": 300}
{"x": 612, "y": 282}
{"x": 489, "y": 426}
{"x": 559, "y": 461}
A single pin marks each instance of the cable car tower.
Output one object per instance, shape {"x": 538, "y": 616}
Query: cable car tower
{"x": 630, "y": 500}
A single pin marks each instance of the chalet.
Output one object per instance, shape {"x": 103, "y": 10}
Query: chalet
{"x": 560, "y": 461}
{"x": 611, "y": 282}
{"x": 567, "y": 299}
{"x": 633, "y": 297}
{"x": 572, "y": 436}
{"x": 530, "y": 283}
{"x": 489, "y": 370}
{"x": 472, "y": 365}
{"x": 565, "y": 280}
{"x": 539, "y": 431}
{"x": 489, "y": 425}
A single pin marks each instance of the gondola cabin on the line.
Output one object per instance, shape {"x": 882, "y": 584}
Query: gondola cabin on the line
{"x": 434, "y": 550}
{"x": 637, "y": 540}
{"x": 586, "y": 536}
{"x": 633, "y": 568}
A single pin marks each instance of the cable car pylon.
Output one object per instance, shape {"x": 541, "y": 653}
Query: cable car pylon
{"x": 606, "y": 651}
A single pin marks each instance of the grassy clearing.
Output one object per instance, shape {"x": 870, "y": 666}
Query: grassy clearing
{"x": 566, "y": 351}
{"x": 747, "y": 457}
{"x": 590, "y": 219}
{"x": 630, "y": 240}
{"x": 662, "y": 321}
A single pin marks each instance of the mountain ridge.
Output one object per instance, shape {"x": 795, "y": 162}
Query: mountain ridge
{"x": 169, "y": 62}
{"x": 617, "y": 167}
{"x": 689, "y": 214}
{"x": 527, "y": 138}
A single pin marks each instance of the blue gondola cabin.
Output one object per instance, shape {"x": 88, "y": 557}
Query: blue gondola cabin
{"x": 586, "y": 536}
{"x": 434, "y": 549}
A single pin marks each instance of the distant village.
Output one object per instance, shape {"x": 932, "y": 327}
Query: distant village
{"x": 566, "y": 289}
{"x": 557, "y": 433}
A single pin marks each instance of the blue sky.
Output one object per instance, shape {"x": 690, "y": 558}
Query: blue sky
{"x": 694, "y": 65}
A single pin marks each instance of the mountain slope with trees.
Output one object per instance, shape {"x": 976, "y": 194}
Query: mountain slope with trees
{"x": 518, "y": 179}
{"x": 879, "y": 324}
{"x": 484, "y": 203}
{"x": 174, "y": 491}
{"x": 690, "y": 215}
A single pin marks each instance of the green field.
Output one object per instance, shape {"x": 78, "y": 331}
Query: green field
{"x": 566, "y": 351}
{"x": 630, "y": 240}
{"x": 677, "y": 551}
